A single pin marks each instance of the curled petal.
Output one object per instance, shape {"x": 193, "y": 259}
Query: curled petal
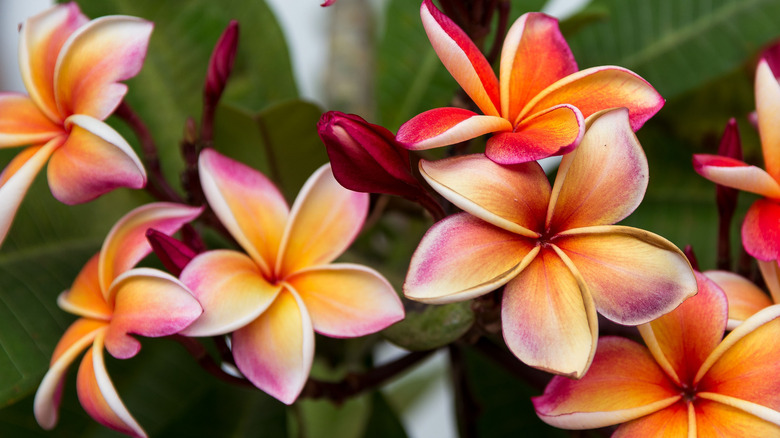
{"x": 553, "y": 131}
{"x": 513, "y": 197}
{"x": 444, "y": 126}
{"x": 93, "y": 61}
{"x": 744, "y": 297}
{"x": 275, "y": 352}
{"x": 761, "y": 230}
{"x": 737, "y": 174}
{"x": 23, "y": 122}
{"x": 85, "y": 298}
{"x": 346, "y": 300}
{"x": 94, "y": 160}
{"x": 767, "y": 108}
{"x": 463, "y": 257}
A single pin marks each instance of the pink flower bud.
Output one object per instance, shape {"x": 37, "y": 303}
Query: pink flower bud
{"x": 772, "y": 56}
{"x": 327, "y": 3}
{"x": 221, "y": 63}
{"x": 173, "y": 254}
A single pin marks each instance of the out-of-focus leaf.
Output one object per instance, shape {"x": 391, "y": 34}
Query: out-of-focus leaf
{"x": 383, "y": 422}
{"x": 324, "y": 419}
{"x": 432, "y": 327}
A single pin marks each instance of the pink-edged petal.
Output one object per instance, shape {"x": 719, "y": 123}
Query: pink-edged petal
{"x": 40, "y": 40}
{"x": 603, "y": 180}
{"x": 599, "y": 88}
{"x": 324, "y": 220}
{"x": 514, "y": 198}
{"x": 552, "y": 131}
{"x": 634, "y": 275}
{"x": 275, "y": 352}
{"x": 744, "y": 297}
{"x": 85, "y": 298}
{"x": 17, "y": 177}
{"x": 247, "y": 203}
{"x": 150, "y": 303}
{"x": 93, "y": 61}
{"x": 734, "y": 173}
{"x": 768, "y": 110}
{"x": 534, "y": 55}
{"x": 94, "y": 160}
{"x": 462, "y": 58}
{"x": 126, "y": 242}
{"x": 23, "y": 122}
{"x": 622, "y": 384}
{"x": 761, "y": 230}
{"x": 77, "y": 338}
{"x": 770, "y": 270}
{"x": 230, "y": 287}
{"x": 721, "y": 420}
{"x": 346, "y": 300}
{"x": 677, "y": 420}
{"x": 463, "y": 257}
{"x": 444, "y": 126}
{"x": 682, "y": 339}
{"x": 98, "y": 396}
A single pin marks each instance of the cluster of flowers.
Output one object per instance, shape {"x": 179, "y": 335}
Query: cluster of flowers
{"x": 552, "y": 250}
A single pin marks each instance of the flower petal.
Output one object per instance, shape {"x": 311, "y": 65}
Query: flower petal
{"x": 94, "y": 160}
{"x": 514, "y": 198}
{"x": 324, "y": 221}
{"x": 719, "y": 419}
{"x": 346, "y": 300}
{"x": 85, "y": 298}
{"x": 548, "y": 317}
{"x": 462, "y": 58}
{"x": 737, "y": 174}
{"x": 93, "y": 61}
{"x": 553, "y": 131}
{"x": 623, "y": 383}
{"x": 534, "y": 55}
{"x": 444, "y": 126}
{"x": 99, "y": 397}
{"x": 677, "y": 420}
{"x": 634, "y": 275}
{"x": 744, "y": 297}
{"x": 603, "y": 180}
{"x": 761, "y": 230}
{"x": 599, "y": 88}
{"x": 768, "y": 110}
{"x": 231, "y": 289}
{"x": 247, "y": 203}
{"x": 23, "y": 123}
{"x": 79, "y": 336}
{"x": 770, "y": 270}
{"x": 463, "y": 257}
{"x": 275, "y": 352}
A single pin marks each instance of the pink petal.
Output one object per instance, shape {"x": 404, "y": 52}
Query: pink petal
{"x": 445, "y": 126}
{"x": 737, "y": 174}
{"x": 534, "y": 55}
{"x": 247, "y": 203}
{"x": 463, "y": 257}
{"x": 93, "y": 61}
{"x": 744, "y": 297}
{"x": 603, "y": 180}
{"x": 94, "y": 160}
{"x": 324, "y": 221}
{"x": 761, "y": 230}
{"x": 548, "y": 317}
{"x": 23, "y": 122}
{"x": 346, "y": 300}
{"x": 85, "y": 298}
{"x": 231, "y": 289}
{"x": 767, "y": 109}
{"x": 275, "y": 352}
{"x": 462, "y": 58}
{"x": 553, "y": 131}
{"x": 514, "y": 198}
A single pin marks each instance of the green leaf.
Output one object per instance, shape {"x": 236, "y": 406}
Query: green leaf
{"x": 432, "y": 326}
{"x": 383, "y": 422}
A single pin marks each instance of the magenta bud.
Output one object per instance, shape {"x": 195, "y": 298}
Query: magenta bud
{"x": 173, "y": 254}
{"x": 730, "y": 146}
{"x": 772, "y": 57}
{"x": 221, "y": 63}
{"x": 327, "y": 3}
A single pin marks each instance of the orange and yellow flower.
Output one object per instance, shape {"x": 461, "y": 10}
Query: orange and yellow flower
{"x": 744, "y": 297}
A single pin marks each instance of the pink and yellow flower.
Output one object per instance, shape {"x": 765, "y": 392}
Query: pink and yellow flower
{"x": 115, "y": 301}
{"x": 71, "y": 68}
{"x": 552, "y": 248}
{"x": 688, "y": 382}
{"x": 274, "y": 297}
{"x": 538, "y": 107}
{"x": 744, "y": 297}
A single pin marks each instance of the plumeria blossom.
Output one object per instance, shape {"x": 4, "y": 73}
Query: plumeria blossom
{"x": 537, "y": 109}
{"x": 744, "y": 297}
{"x": 115, "y": 300}
{"x": 274, "y": 297}
{"x": 552, "y": 248}
{"x": 71, "y": 68}
{"x": 689, "y": 381}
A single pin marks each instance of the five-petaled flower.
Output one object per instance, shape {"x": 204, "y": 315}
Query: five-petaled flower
{"x": 552, "y": 248}
{"x": 114, "y": 301}
{"x": 538, "y": 107}
{"x": 71, "y": 68}
{"x": 274, "y": 297}
{"x": 688, "y": 382}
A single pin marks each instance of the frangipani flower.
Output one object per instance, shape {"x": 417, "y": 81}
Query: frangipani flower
{"x": 274, "y": 298}
{"x": 538, "y": 107}
{"x": 114, "y": 301}
{"x": 553, "y": 249}
{"x": 744, "y": 297}
{"x": 71, "y": 68}
{"x": 686, "y": 383}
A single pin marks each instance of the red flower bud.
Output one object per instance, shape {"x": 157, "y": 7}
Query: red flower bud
{"x": 327, "y": 3}
{"x": 221, "y": 63}
{"x": 173, "y": 254}
{"x": 726, "y": 197}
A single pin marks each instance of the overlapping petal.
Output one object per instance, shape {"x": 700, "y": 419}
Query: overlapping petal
{"x": 23, "y": 122}
{"x": 767, "y": 90}
{"x": 85, "y": 297}
{"x": 444, "y": 126}
{"x": 744, "y": 297}
{"x": 761, "y": 230}
{"x": 737, "y": 174}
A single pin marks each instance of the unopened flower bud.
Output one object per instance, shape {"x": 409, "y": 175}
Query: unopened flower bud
{"x": 173, "y": 254}
{"x": 221, "y": 63}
